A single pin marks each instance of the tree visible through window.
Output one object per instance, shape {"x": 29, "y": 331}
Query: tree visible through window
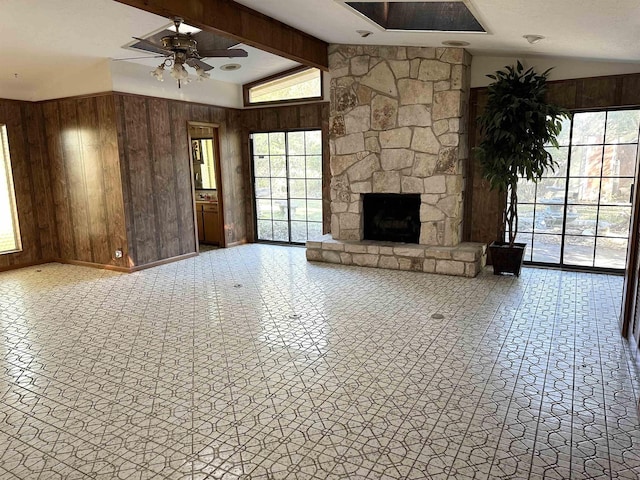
{"x": 579, "y": 214}
{"x": 287, "y": 170}
{"x": 9, "y": 230}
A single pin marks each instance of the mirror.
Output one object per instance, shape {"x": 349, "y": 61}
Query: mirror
{"x": 203, "y": 152}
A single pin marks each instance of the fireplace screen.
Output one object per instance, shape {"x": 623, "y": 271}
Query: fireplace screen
{"x": 392, "y": 217}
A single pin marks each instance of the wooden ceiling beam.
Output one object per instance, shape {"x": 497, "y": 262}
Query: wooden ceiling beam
{"x": 231, "y": 19}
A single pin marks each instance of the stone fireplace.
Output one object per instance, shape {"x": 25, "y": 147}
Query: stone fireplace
{"x": 398, "y": 119}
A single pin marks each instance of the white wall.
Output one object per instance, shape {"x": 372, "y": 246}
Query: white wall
{"x": 95, "y": 78}
{"x": 563, "y": 68}
{"x": 130, "y": 77}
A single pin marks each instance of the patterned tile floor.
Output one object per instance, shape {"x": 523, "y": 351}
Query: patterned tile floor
{"x": 250, "y": 363}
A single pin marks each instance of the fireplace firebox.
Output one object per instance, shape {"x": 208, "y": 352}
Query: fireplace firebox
{"x": 391, "y": 217}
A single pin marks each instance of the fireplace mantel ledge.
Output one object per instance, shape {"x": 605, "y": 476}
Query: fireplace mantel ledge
{"x": 466, "y": 259}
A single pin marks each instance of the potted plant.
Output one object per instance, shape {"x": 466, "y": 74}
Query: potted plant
{"x": 517, "y": 126}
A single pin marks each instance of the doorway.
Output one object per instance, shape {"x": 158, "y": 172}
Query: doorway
{"x": 579, "y": 215}
{"x": 287, "y": 176}
{"x": 204, "y": 150}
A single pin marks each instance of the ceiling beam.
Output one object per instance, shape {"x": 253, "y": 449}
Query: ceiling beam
{"x": 231, "y": 19}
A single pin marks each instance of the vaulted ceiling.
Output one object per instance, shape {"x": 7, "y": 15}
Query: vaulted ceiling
{"x": 70, "y": 41}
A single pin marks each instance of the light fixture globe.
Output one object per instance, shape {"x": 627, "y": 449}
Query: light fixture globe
{"x": 158, "y": 73}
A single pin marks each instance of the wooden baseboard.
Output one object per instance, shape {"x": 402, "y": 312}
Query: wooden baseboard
{"x": 102, "y": 266}
{"x": 115, "y": 268}
{"x": 137, "y": 268}
{"x": 235, "y": 244}
{"x": 6, "y": 268}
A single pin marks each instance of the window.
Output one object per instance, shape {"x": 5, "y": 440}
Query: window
{"x": 9, "y": 230}
{"x": 287, "y": 172}
{"x": 300, "y": 83}
{"x": 579, "y": 215}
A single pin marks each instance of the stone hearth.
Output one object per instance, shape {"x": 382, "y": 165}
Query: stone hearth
{"x": 398, "y": 119}
{"x": 465, "y": 260}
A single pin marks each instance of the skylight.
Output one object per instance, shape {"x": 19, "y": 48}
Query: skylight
{"x": 420, "y": 16}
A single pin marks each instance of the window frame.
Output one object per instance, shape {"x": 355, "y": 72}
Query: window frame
{"x": 254, "y": 198}
{"x": 7, "y": 170}
{"x": 562, "y": 263}
{"x": 292, "y": 71}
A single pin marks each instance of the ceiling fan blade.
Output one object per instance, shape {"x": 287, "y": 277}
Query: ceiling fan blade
{"x": 231, "y": 53}
{"x": 138, "y": 58}
{"x": 193, "y": 62}
{"x": 154, "y": 47}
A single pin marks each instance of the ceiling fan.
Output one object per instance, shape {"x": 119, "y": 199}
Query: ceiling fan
{"x": 180, "y": 49}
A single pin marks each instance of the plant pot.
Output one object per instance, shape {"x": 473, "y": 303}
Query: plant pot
{"x": 507, "y": 259}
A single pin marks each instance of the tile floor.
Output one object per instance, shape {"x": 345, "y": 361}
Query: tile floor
{"x": 250, "y": 363}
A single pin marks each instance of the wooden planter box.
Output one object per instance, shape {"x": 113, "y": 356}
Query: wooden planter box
{"x": 507, "y": 259}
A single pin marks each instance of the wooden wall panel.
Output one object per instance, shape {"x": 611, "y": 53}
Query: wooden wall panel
{"x": 31, "y": 179}
{"x": 112, "y": 181}
{"x": 140, "y": 192}
{"x": 72, "y": 154}
{"x": 41, "y": 182}
{"x": 180, "y": 115}
{"x": 64, "y": 227}
{"x": 483, "y": 207}
{"x": 630, "y": 90}
{"x": 595, "y": 92}
{"x": 563, "y": 93}
{"x": 157, "y": 184}
{"x": 164, "y": 174}
{"x": 290, "y": 117}
{"x": 81, "y": 141}
{"x": 235, "y": 191}
{"x": 89, "y": 136}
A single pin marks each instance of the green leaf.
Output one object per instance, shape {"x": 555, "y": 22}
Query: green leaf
{"x": 515, "y": 126}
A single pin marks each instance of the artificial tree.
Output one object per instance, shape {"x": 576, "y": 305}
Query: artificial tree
{"x": 517, "y": 127}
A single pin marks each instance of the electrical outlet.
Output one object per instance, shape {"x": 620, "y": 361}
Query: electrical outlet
{"x": 118, "y": 253}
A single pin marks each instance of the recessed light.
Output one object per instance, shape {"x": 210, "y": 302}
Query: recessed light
{"x": 455, "y": 43}
{"x": 364, "y": 33}
{"x": 532, "y": 39}
{"x": 230, "y": 67}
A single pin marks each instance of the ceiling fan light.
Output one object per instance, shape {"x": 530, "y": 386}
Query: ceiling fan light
{"x": 201, "y": 73}
{"x": 158, "y": 72}
{"x": 176, "y": 71}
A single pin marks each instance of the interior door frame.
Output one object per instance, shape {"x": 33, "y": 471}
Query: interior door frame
{"x": 219, "y": 187}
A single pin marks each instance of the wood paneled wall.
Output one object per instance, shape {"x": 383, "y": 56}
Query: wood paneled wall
{"x": 99, "y": 173}
{"x": 292, "y": 117}
{"x": 483, "y": 208}
{"x": 82, "y": 145}
{"x": 156, "y": 175}
{"x": 32, "y": 184}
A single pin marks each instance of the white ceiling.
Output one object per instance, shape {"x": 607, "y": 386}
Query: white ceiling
{"x": 44, "y": 40}
{"x": 587, "y": 29}
{"x": 48, "y": 40}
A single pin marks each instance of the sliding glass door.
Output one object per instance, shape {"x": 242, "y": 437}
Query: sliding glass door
{"x": 579, "y": 215}
{"x": 287, "y": 172}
